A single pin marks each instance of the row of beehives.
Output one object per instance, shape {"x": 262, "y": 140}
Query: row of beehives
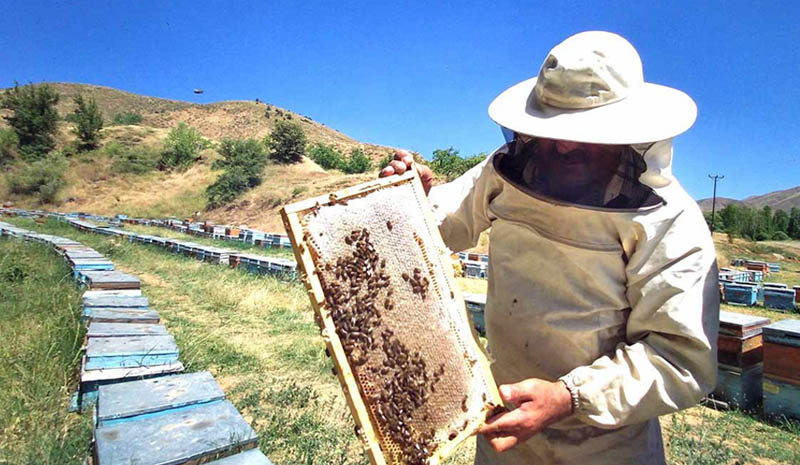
{"x": 145, "y": 411}
{"x": 758, "y": 265}
{"x": 775, "y": 296}
{"x": 216, "y": 231}
{"x": 474, "y": 265}
{"x": 280, "y": 267}
{"x": 759, "y": 364}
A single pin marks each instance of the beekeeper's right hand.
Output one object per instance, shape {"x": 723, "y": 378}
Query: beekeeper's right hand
{"x": 402, "y": 162}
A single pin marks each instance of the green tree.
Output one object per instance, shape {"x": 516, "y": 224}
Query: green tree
{"x": 287, "y": 142}
{"x": 243, "y": 162}
{"x": 88, "y": 122}
{"x": 765, "y": 220}
{"x": 780, "y": 221}
{"x": 9, "y": 145}
{"x": 793, "y": 229}
{"x": 357, "y": 162}
{"x": 182, "y": 147}
{"x": 450, "y": 164}
{"x": 326, "y": 156}
{"x": 730, "y": 216}
{"x": 35, "y": 118}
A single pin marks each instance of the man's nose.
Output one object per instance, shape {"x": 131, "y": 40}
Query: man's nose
{"x": 566, "y": 146}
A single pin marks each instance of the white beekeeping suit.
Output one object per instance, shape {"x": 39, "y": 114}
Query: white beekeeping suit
{"x": 620, "y": 303}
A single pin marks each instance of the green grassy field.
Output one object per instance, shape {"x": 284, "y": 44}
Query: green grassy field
{"x": 256, "y": 335}
{"x": 41, "y": 335}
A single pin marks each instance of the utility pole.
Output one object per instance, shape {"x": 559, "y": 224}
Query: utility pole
{"x": 716, "y": 178}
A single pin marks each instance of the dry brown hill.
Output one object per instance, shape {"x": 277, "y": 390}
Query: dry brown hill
{"x": 235, "y": 119}
{"x": 784, "y": 200}
{"x": 94, "y": 186}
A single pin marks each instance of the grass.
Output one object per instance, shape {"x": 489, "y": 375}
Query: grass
{"x": 703, "y": 436}
{"x": 257, "y": 336}
{"x": 42, "y": 335}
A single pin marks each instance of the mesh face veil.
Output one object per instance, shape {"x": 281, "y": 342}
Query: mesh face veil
{"x": 589, "y": 175}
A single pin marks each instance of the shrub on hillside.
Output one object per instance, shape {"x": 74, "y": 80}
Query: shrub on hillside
{"x": 43, "y": 177}
{"x": 780, "y": 236}
{"x": 357, "y": 162}
{"x": 326, "y": 156}
{"x": 134, "y": 160}
{"x": 127, "y": 117}
{"x": 182, "y": 147}
{"x": 243, "y": 162}
{"x": 88, "y": 122}
{"x": 34, "y": 119}
{"x": 9, "y": 145}
{"x": 287, "y": 142}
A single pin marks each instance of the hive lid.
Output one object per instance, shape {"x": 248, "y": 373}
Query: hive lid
{"x": 785, "y": 332}
{"x": 738, "y": 324}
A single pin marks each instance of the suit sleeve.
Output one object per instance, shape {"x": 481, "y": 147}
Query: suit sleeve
{"x": 461, "y": 206}
{"x": 668, "y": 361}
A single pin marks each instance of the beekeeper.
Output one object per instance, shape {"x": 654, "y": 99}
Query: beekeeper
{"x": 603, "y": 303}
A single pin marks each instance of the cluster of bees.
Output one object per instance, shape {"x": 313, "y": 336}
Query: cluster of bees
{"x": 419, "y": 284}
{"x": 357, "y": 292}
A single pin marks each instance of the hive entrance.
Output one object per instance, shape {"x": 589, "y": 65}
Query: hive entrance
{"x": 380, "y": 280}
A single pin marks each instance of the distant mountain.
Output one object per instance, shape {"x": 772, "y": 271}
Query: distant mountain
{"x": 783, "y": 200}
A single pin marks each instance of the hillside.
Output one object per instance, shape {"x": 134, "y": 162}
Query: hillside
{"x": 783, "y": 200}
{"x": 94, "y": 186}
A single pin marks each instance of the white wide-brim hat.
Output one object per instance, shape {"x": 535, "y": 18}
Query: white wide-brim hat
{"x": 591, "y": 89}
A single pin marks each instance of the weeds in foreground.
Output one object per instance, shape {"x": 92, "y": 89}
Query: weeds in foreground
{"x": 41, "y": 337}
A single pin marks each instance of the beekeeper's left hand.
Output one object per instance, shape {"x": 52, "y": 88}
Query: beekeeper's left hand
{"x": 539, "y": 403}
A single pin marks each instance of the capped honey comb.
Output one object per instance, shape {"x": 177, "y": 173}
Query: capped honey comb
{"x": 380, "y": 280}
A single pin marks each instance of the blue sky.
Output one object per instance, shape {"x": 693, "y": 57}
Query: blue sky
{"x": 421, "y": 75}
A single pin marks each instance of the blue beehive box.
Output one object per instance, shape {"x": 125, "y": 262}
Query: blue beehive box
{"x": 781, "y": 398}
{"x": 779, "y": 299}
{"x": 476, "y": 305}
{"x": 740, "y": 294}
{"x": 773, "y": 267}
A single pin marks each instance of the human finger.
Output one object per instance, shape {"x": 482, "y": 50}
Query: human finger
{"x": 518, "y": 393}
{"x": 399, "y": 166}
{"x": 386, "y": 171}
{"x": 503, "y": 442}
{"x": 425, "y": 176}
{"x": 403, "y": 155}
{"x": 506, "y": 422}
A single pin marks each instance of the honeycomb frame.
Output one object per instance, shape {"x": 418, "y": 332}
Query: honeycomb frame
{"x": 381, "y": 449}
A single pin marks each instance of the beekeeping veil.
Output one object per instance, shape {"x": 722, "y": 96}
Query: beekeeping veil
{"x": 591, "y": 89}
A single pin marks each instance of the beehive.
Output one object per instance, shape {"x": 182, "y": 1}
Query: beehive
{"x": 380, "y": 280}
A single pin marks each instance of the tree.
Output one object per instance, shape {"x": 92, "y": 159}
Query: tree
{"x": 9, "y": 145}
{"x": 88, "y": 122}
{"x": 450, "y": 164}
{"x": 243, "y": 162}
{"x": 287, "y": 142}
{"x": 358, "y": 162}
{"x": 730, "y": 217}
{"x": 35, "y": 118}
{"x": 765, "y": 220}
{"x": 794, "y": 223}
{"x": 780, "y": 221}
{"x": 182, "y": 147}
{"x": 326, "y": 156}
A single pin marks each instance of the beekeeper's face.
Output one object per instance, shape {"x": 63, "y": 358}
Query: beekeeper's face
{"x": 573, "y": 169}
